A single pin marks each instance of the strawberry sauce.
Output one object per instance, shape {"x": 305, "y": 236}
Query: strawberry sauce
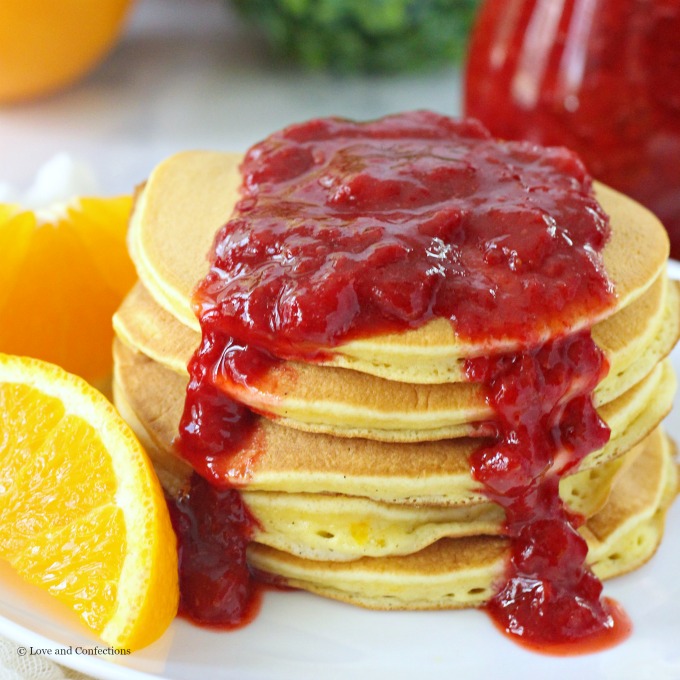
{"x": 348, "y": 230}
{"x": 214, "y": 528}
{"x": 546, "y": 424}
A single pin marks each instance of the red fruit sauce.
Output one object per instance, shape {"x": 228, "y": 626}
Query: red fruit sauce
{"x": 546, "y": 424}
{"x": 347, "y": 230}
{"x": 214, "y": 527}
{"x": 599, "y": 76}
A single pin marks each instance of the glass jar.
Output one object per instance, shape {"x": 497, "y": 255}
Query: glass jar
{"x": 599, "y": 76}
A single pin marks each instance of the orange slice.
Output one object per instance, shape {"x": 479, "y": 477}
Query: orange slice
{"x": 82, "y": 514}
{"x": 63, "y": 273}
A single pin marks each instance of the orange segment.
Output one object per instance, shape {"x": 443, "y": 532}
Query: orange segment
{"x": 81, "y": 512}
{"x": 61, "y": 279}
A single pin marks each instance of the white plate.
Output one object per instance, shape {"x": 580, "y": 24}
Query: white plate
{"x": 301, "y": 637}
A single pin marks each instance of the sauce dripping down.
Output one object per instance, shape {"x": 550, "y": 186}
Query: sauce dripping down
{"x": 214, "y": 527}
{"x": 347, "y": 230}
{"x": 211, "y": 521}
{"x": 546, "y": 424}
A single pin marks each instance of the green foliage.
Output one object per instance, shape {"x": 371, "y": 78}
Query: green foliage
{"x": 364, "y": 35}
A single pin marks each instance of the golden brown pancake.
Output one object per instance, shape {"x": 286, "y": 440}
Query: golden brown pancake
{"x": 359, "y": 474}
{"x": 351, "y": 404}
{"x": 463, "y": 572}
{"x": 624, "y": 337}
{"x": 278, "y": 458}
{"x": 343, "y": 402}
{"x": 190, "y": 195}
{"x": 340, "y": 528}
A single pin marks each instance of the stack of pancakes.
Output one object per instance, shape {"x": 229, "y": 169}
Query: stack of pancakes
{"x": 358, "y": 472}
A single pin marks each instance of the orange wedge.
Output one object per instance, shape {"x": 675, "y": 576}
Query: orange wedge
{"x": 82, "y": 514}
{"x": 63, "y": 272}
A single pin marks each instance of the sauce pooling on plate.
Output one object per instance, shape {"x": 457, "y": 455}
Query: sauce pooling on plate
{"x": 348, "y": 230}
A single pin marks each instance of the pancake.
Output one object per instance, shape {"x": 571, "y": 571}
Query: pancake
{"x": 189, "y": 196}
{"x": 463, "y": 572}
{"x": 338, "y": 527}
{"x": 359, "y": 469}
{"x": 626, "y": 338}
{"x": 348, "y": 403}
{"x": 341, "y": 528}
{"x": 278, "y": 458}
{"x": 417, "y": 425}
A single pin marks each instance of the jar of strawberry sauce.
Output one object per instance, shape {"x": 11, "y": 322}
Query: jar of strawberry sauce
{"x": 599, "y": 76}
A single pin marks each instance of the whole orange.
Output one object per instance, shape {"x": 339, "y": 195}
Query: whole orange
{"x": 47, "y": 44}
